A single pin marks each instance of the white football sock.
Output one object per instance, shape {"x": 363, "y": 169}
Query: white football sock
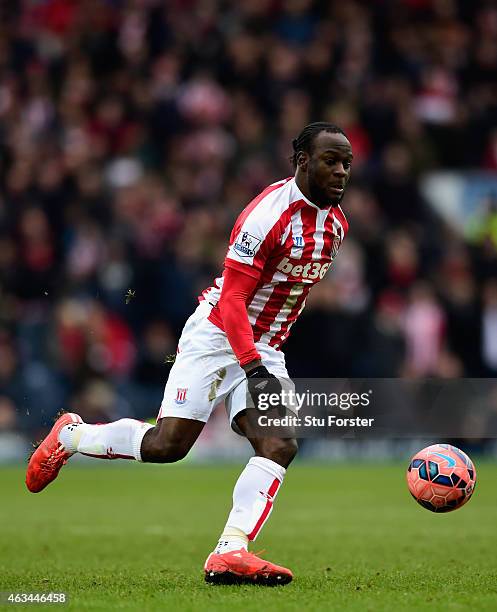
{"x": 119, "y": 440}
{"x": 231, "y": 539}
{"x": 253, "y": 498}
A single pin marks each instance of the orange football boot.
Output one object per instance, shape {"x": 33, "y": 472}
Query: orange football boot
{"x": 45, "y": 463}
{"x": 242, "y": 567}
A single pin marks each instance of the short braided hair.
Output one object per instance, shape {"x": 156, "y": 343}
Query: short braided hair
{"x": 305, "y": 139}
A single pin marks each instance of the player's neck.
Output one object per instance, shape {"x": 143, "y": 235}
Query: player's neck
{"x": 301, "y": 182}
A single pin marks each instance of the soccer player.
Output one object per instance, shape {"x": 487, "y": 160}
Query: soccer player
{"x": 282, "y": 244}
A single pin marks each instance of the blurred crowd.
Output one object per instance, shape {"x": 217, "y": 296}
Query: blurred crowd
{"x": 132, "y": 133}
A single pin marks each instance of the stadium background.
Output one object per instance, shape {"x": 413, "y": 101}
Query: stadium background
{"x": 133, "y": 133}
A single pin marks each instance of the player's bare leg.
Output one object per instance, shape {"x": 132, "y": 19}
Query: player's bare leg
{"x": 168, "y": 441}
{"x": 253, "y": 499}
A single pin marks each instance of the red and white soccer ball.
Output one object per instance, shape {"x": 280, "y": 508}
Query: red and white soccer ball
{"x": 441, "y": 477}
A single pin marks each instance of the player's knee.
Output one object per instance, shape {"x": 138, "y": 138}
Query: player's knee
{"x": 279, "y": 450}
{"x": 156, "y": 449}
{"x": 166, "y": 453}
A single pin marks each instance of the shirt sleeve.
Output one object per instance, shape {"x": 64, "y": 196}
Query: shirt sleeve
{"x": 254, "y": 237}
{"x": 238, "y": 287}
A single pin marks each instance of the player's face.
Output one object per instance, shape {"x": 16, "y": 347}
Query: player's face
{"x": 328, "y": 168}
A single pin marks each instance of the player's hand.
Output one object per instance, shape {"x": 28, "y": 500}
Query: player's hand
{"x": 261, "y": 381}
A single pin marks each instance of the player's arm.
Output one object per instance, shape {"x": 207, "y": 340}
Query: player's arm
{"x": 256, "y": 233}
{"x": 238, "y": 288}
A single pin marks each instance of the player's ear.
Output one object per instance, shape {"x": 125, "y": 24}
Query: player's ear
{"x": 302, "y": 160}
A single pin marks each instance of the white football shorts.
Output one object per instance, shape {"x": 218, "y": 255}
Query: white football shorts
{"x": 206, "y": 372}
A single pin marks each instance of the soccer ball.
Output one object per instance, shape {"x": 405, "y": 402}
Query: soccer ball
{"x": 441, "y": 477}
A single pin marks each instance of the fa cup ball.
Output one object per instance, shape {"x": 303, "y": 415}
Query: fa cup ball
{"x": 441, "y": 477}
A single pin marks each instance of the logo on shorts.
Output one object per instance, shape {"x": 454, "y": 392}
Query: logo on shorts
{"x": 246, "y": 244}
{"x": 181, "y": 396}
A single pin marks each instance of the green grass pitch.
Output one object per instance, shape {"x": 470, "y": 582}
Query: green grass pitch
{"x": 123, "y": 536}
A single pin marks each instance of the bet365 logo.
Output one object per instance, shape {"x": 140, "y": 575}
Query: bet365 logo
{"x": 312, "y": 270}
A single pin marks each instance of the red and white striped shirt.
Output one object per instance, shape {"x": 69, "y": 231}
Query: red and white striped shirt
{"x": 287, "y": 243}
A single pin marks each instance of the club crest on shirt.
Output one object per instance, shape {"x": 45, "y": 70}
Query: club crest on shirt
{"x": 298, "y": 242}
{"x": 246, "y": 244}
{"x": 335, "y": 245}
{"x": 181, "y": 396}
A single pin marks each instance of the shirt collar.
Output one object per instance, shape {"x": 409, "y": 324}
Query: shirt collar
{"x": 306, "y": 200}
